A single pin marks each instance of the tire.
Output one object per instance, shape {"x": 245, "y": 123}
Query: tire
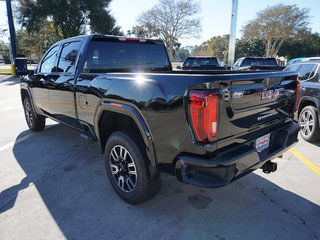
{"x": 127, "y": 169}
{"x": 35, "y": 122}
{"x": 309, "y": 122}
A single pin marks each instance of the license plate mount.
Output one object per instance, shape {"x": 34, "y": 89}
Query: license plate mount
{"x": 263, "y": 142}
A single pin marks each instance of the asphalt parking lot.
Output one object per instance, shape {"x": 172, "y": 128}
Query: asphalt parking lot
{"x": 54, "y": 186}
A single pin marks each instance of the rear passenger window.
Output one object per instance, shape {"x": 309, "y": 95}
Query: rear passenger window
{"x": 293, "y": 68}
{"x": 68, "y": 57}
{"x": 305, "y": 71}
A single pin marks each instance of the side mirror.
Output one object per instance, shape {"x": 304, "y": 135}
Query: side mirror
{"x": 30, "y": 72}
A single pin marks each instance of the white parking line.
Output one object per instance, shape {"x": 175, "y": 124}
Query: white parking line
{"x": 11, "y": 144}
{"x": 17, "y": 141}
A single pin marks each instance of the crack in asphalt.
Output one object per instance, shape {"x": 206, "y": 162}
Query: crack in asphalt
{"x": 275, "y": 203}
{"x": 35, "y": 182}
{"x": 271, "y": 200}
{"x": 293, "y": 214}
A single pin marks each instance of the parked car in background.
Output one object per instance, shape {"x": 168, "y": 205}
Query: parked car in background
{"x": 256, "y": 63}
{"x": 313, "y": 59}
{"x": 308, "y": 101}
{"x": 294, "y": 61}
{"x": 200, "y": 63}
{"x": 302, "y": 59}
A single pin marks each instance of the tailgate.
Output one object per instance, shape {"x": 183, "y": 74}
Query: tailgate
{"x": 251, "y": 102}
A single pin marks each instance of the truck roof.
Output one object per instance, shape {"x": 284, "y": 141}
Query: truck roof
{"x": 114, "y": 38}
{"x": 200, "y": 57}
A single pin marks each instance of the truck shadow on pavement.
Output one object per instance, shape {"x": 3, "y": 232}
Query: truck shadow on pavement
{"x": 69, "y": 174}
{"x": 9, "y": 80}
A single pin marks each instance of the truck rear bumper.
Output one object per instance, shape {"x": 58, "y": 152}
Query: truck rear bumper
{"x": 230, "y": 165}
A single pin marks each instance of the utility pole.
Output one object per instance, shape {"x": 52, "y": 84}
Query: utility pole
{"x": 12, "y": 31}
{"x": 233, "y": 30}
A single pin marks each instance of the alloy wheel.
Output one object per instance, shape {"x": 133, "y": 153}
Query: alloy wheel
{"x": 28, "y": 113}
{"x": 307, "y": 123}
{"x": 123, "y": 168}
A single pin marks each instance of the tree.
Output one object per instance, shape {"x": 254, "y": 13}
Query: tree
{"x": 249, "y": 48}
{"x": 4, "y": 52}
{"x": 36, "y": 43}
{"x": 182, "y": 53}
{"x": 169, "y": 20}
{"x": 276, "y": 24}
{"x": 68, "y": 16}
{"x": 218, "y": 47}
{"x": 201, "y": 50}
{"x": 307, "y": 46}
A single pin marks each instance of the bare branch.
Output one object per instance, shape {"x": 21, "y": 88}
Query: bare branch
{"x": 170, "y": 20}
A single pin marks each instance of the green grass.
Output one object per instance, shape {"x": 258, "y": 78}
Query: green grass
{"x": 5, "y": 71}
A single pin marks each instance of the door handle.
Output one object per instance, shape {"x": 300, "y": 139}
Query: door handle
{"x": 303, "y": 88}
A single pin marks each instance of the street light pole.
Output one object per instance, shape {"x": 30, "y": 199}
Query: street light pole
{"x": 233, "y": 29}
{"x": 12, "y": 31}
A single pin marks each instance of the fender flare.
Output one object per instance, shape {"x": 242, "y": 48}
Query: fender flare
{"x": 132, "y": 112}
{"x": 25, "y": 86}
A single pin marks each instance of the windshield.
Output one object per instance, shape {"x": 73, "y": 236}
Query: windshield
{"x": 107, "y": 56}
{"x": 259, "y": 62}
{"x": 192, "y": 62}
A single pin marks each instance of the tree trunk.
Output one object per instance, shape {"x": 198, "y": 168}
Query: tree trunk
{"x": 268, "y": 47}
{"x": 170, "y": 49}
{"x": 278, "y": 47}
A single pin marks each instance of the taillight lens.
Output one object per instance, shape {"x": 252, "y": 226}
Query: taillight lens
{"x": 298, "y": 94}
{"x": 203, "y": 112}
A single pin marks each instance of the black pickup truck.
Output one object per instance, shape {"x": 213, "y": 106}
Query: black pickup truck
{"x": 200, "y": 63}
{"x": 257, "y": 64}
{"x": 205, "y": 128}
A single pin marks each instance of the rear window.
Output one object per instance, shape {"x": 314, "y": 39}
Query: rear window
{"x": 200, "y": 62}
{"x": 105, "y": 56}
{"x": 259, "y": 62}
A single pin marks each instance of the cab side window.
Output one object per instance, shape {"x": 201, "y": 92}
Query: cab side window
{"x": 48, "y": 62}
{"x": 305, "y": 71}
{"x": 68, "y": 57}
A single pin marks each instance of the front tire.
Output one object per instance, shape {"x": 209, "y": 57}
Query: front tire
{"x": 127, "y": 169}
{"x": 309, "y": 122}
{"x": 35, "y": 122}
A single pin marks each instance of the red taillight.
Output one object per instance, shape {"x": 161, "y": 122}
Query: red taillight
{"x": 297, "y": 99}
{"x": 204, "y": 111}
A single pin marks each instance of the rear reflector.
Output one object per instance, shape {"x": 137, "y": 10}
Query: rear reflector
{"x": 203, "y": 112}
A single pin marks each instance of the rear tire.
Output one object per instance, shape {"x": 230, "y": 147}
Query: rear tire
{"x": 309, "y": 122}
{"x": 35, "y": 121}
{"x": 127, "y": 169}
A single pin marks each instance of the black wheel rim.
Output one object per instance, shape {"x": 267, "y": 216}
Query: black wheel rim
{"x": 28, "y": 113}
{"x": 123, "y": 168}
{"x": 307, "y": 123}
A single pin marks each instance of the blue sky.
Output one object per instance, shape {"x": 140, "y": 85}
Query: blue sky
{"x": 214, "y": 14}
